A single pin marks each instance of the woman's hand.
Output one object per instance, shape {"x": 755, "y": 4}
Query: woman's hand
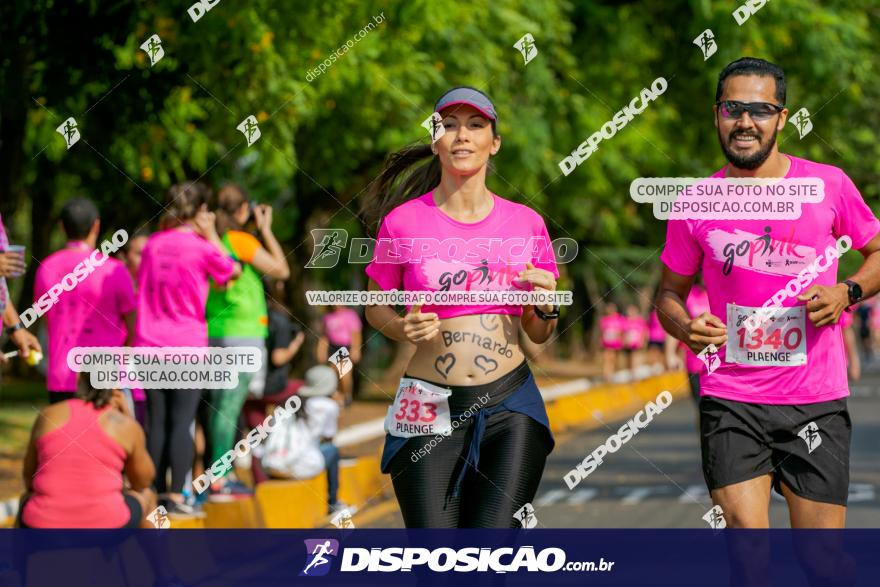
{"x": 419, "y": 327}
{"x": 263, "y": 217}
{"x": 205, "y": 224}
{"x": 539, "y": 279}
{"x": 11, "y": 264}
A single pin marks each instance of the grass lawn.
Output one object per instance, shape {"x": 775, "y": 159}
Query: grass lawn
{"x": 19, "y": 400}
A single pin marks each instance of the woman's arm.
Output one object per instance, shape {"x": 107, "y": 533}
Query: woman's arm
{"x": 270, "y": 260}
{"x": 29, "y": 468}
{"x": 537, "y": 329}
{"x": 414, "y": 327}
{"x": 139, "y": 468}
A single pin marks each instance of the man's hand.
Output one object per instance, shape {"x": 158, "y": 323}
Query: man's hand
{"x": 704, "y": 330}
{"x": 25, "y": 341}
{"x": 825, "y": 304}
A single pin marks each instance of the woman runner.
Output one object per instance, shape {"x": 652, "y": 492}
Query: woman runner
{"x": 468, "y": 434}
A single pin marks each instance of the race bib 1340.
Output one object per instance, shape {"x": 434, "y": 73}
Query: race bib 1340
{"x": 779, "y": 341}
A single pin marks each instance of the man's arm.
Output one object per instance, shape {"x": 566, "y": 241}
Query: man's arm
{"x": 24, "y": 340}
{"x": 696, "y": 333}
{"x": 830, "y": 302}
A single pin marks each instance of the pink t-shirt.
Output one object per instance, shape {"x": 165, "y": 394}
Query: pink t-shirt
{"x": 340, "y": 325}
{"x": 634, "y": 331}
{"x": 90, "y": 314}
{"x": 655, "y": 329}
{"x": 611, "y": 327}
{"x": 173, "y": 288}
{"x": 846, "y": 319}
{"x": 432, "y": 251}
{"x": 747, "y": 261}
{"x": 697, "y": 302}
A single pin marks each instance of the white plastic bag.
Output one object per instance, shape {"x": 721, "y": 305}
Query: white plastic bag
{"x": 291, "y": 451}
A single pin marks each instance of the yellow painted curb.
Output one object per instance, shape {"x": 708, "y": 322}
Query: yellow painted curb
{"x": 293, "y": 504}
{"x": 241, "y": 513}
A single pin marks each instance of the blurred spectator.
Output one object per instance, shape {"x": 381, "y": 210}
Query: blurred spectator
{"x": 237, "y": 318}
{"x": 342, "y": 329}
{"x": 98, "y": 311}
{"x": 80, "y": 484}
{"x": 12, "y": 265}
{"x": 321, "y": 405}
{"x": 176, "y": 264}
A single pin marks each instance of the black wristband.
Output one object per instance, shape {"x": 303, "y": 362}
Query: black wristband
{"x": 14, "y": 327}
{"x": 549, "y": 316}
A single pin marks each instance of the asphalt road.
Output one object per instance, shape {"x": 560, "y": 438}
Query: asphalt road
{"x": 655, "y": 481}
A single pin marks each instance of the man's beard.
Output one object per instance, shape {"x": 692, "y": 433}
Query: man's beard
{"x": 752, "y": 161}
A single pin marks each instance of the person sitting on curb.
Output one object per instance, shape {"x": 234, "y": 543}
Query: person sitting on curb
{"x": 321, "y": 404}
{"x": 84, "y": 488}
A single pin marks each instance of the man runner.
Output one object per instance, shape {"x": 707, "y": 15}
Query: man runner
{"x": 759, "y": 420}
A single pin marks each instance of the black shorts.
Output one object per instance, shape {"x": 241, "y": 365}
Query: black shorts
{"x": 656, "y": 344}
{"x": 741, "y": 441}
{"x": 136, "y": 512}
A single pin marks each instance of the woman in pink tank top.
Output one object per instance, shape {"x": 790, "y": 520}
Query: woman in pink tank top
{"x": 80, "y": 455}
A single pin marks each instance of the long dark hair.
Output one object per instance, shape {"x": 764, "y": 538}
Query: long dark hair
{"x": 399, "y": 181}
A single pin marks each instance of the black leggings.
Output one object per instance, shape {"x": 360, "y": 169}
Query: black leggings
{"x": 513, "y": 452}
{"x": 170, "y": 414}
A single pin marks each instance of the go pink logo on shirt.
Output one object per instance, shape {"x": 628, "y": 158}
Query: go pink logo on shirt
{"x": 766, "y": 253}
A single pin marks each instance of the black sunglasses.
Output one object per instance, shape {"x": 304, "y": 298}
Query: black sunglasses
{"x": 733, "y": 109}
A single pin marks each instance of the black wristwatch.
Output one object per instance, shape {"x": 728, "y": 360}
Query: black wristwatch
{"x": 554, "y": 313}
{"x": 14, "y": 327}
{"x": 855, "y": 291}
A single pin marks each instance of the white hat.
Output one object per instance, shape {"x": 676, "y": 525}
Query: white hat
{"x": 320, "y": 381}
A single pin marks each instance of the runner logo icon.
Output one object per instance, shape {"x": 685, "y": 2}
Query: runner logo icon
{"x": 526, "y": 46}
{"x": 153, "y": 48}
{"x": 801, "y": 121}
{"x": 250, "y": 129}
{"x": 329, "y": 243}
{"x": 69, "y": 131}
{"x": 159, "y": 518}
{"x": 341, "y": 361}
{"x": 715, "y": 518}
{"x": 810, "y": 434}
{"x": 709, "y": 356}
{"x": 434, "y": 125}
{"x": 526, "y": 516}
{"x": 342, "y": 520}
{"x": 706, "y": 42}
{"x": 320, "y": 554}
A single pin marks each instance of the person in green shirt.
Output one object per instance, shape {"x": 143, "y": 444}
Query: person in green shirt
{"x": 237, "y": 316}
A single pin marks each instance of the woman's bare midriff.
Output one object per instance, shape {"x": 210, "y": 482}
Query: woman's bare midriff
{"x": 469, "y": 350}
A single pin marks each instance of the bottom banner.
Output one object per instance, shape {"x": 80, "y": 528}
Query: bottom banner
{"x": 438, "y": 557}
